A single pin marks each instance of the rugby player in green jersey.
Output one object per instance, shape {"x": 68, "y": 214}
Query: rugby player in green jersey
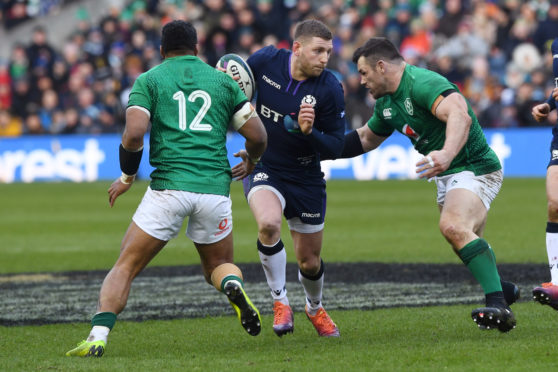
{"x": 431, "y": 112}
{"x": 190, "y": 106}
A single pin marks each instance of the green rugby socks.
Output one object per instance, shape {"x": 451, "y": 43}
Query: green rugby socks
{"x": 480, "y": 259}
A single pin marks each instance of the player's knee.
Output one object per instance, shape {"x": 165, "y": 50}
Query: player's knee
{"x": 553, "y": 209}
{"x": 269, "y": 229}
{"x": 452, "y": 231}
{"x": 310, "y": 266}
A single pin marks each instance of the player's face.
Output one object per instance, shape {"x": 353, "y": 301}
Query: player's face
{"x": 372, "y": 78}
{"x": 313, "y": 56}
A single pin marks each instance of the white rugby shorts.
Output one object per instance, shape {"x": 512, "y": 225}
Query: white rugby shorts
{"x": 162, "y": 212}
{"x": 485, "y": 186}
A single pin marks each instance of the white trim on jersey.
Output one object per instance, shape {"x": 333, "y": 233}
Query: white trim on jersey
{"x": 140, "y": 108}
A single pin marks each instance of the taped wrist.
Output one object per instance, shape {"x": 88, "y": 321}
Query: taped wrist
{"x": 352, "y": 146}
{"x": 129, "y": 160}
{"x": 253, "y": 160}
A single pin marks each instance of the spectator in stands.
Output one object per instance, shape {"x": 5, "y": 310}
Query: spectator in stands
{"x": 40, "y": 54}
{"x": 15, "y": 14}
{"x": 10, "y": 126}
{"x": 450, "y": 37}
{"x": 89, "y": 112}
{"x": 450, "y": 21}
{"x": 5, "y": 85}
{"x": 22, "y": 100}
{"x": 49, "y": 105}
{"x": 547, "y": 29}
{"x": 33, "y": 125}
{"x": 19, "y": 62}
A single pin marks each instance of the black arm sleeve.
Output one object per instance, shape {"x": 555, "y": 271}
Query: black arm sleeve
{"x": 352, "y": 146}
{"x": 129, "y": 160}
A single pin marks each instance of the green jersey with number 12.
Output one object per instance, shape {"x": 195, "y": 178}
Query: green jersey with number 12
{"x": 191, "y": 105}
{"x": 408, "y": 111}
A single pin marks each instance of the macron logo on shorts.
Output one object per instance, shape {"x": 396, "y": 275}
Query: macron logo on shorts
{"x": 554, "y": 154}
{"x": 310, "y": 215}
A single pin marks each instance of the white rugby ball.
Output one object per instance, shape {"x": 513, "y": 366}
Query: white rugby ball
{"x": 235, "y": 66}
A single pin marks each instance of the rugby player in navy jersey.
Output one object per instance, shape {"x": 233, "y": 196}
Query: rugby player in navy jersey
{"x": 547, "y": 293}
{"x": 302, "y": 107}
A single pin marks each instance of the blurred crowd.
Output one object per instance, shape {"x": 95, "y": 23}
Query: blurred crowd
{"x": 497, "y": 52}
{"x": 15, "y": 12}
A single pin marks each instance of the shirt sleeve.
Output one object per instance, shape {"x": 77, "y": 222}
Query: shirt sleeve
{"x": 429, "y": 88}
{"x": 328, "y": 134}
{"x": 139, "y": 95}
{"x": 551, "y": 102}
{"x": 377, "y": 125}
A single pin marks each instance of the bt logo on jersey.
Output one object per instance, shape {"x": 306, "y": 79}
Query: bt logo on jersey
{"x": 270, "y": 114}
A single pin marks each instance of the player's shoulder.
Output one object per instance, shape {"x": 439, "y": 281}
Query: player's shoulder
{"x": 270, "y": 51}
{"x": 331, "y": 77}
{"x": 328, "y": 83}
{"x": 419, "y": 75}
{"x": 268, "y": 54}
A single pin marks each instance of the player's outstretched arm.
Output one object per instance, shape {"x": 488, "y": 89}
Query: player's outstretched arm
{"x": 131, "y": 148}
{"x": 359, "y": 141}
{"x": 256, "y": 142}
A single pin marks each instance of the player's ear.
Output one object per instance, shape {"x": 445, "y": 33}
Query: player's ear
{"x": 381, "y": 66}
{"x": 296, "y": 48}
{"x": 196, "y": 50}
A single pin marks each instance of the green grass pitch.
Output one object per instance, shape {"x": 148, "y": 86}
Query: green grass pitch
{"x": 56, "y": 227}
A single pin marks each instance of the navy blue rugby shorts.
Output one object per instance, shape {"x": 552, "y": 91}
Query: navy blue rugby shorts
{"x": 554, "y": 147}
{"x": 303, "y": 200}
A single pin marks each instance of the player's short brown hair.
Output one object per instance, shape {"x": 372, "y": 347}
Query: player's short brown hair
{"x": 377, "y": 48}
{"x": 310, "y": 28}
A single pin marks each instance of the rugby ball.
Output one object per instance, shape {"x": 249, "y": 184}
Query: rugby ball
{"x": 235, "y": 66}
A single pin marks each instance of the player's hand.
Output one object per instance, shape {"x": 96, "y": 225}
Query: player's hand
{"x": 116, "y": 189}
{"x": 306, "y": 117}
{"x": 241, "y": 170}
{"x": 540, "y": 112}
{"x": 433, "y": 164}
{"x": 235, "y": 78}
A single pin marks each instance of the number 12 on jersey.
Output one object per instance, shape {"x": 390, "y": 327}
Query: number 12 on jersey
{"x": 196, "y": 124}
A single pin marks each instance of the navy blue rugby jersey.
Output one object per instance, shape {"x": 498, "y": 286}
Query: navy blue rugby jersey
{"x": 278, "y": 102}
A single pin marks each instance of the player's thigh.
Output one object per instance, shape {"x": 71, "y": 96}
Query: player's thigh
{"x": 466, "y": 198}
{"x": 138, "y": 249}
{"x": 265, "y": 193}
{"x": 464, "y": 209}
{"x": 552, "y": 183}
{"x": 267, "y": 205}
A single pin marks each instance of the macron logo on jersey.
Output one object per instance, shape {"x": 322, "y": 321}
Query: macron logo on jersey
{"x": 271, "y": 82}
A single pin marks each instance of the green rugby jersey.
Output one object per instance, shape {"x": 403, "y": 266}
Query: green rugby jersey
{"x": 191, "y": 105}
{"x": 408, "y": 111}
